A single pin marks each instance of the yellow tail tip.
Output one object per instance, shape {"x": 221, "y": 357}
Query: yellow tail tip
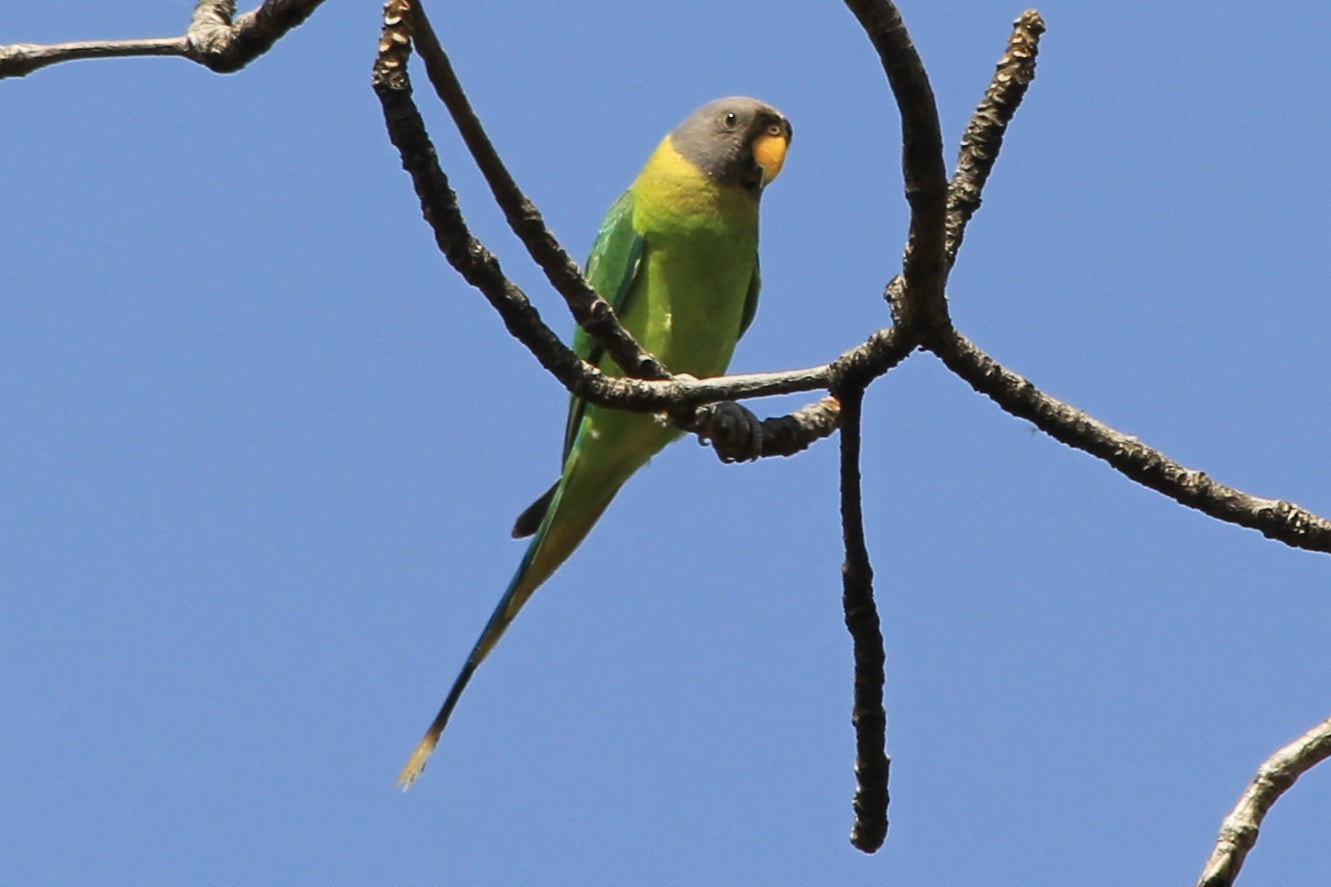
{"x": 416, "y": 763}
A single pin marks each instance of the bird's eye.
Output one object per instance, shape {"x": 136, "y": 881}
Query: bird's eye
{"x": 774, "y": 130}
{"x": 730, "y": 120}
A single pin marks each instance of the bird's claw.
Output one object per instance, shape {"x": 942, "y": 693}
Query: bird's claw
{"x": 733, "y": 431}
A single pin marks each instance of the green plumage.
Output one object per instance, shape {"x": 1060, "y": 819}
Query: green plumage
{"x": 676, "y": 257}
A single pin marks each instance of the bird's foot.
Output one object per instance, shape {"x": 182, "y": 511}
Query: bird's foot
{"x": 732, "y": 430}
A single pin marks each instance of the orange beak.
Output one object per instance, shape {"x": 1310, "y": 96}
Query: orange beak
{"x": 769, "y": 152}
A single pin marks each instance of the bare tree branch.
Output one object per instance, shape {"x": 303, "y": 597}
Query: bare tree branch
{"x": 984, "y": 133}
{"x": 861, "y": 613}
{"x": 591, "y": 312}
{"x": 1274, "y": 518}
{"x": 465, "y": 253}
{"x": 1238, "y": 832}
{"x": 19, "y": 59}
{"x": 788, "y": 435}
{"x": 215, "y": 39}
{"x": 919, "y": 302}
{"x": 852, "y": 373}
{"x": 919, "y": 308}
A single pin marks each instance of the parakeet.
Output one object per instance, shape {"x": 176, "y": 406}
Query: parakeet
{"x": 677, "y": 258}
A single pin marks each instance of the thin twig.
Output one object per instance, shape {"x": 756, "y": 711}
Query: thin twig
{"x": 439, "y": 204}
{"x": 852, "y": 373}
{"x": 591, "y": 312}
{"x": 917, "y": 301}
{"x": 861, "y": 614}
{"x": 1273, "y": 518}
{"x": 18, "y": 59}
{"x": 983, "y": 138}
{"x": 788, "y": 435}
{"x": 216, "y": 39}
{"x": 1276, "y": 519}
{"x": 1238, "y": 832}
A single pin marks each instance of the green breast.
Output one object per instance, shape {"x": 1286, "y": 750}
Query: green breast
{"x": 699, "y": 258}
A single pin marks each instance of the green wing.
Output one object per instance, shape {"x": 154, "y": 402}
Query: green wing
{"x": 751, "y": 297}
{"x": 612, "y": 267}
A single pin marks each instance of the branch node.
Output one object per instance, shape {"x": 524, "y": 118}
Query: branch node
{"x": 737, "y": 435}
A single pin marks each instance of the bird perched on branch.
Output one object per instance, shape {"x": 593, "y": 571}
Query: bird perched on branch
{"x": 677, "y": 258}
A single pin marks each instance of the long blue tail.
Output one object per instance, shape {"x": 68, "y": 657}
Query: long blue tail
{"x": 556, "y": 538}
{"x": 494, "y": 628}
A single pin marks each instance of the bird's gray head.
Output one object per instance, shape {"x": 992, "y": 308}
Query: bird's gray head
{"x": 735, "y": 141}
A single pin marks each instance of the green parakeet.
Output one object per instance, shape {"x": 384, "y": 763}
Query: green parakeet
{"x": 677, "y": 258}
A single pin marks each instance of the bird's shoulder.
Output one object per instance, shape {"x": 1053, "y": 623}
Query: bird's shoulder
{"x": 671, "y": 193}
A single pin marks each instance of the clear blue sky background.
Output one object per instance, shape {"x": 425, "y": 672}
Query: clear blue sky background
{"x": 261, "y": 449}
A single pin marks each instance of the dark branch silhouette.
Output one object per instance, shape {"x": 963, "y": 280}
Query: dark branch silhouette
{"x": 924, "y": 272}
{"x": 1274, "y": 518}
{"x": 983, "y": 138}
{"x": 861, "y": 613}
{"x": 590, "y": 311}
{"x": 216, "y": 38}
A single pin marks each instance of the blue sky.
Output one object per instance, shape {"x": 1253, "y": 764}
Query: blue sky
{"x": 262, "y": 449}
